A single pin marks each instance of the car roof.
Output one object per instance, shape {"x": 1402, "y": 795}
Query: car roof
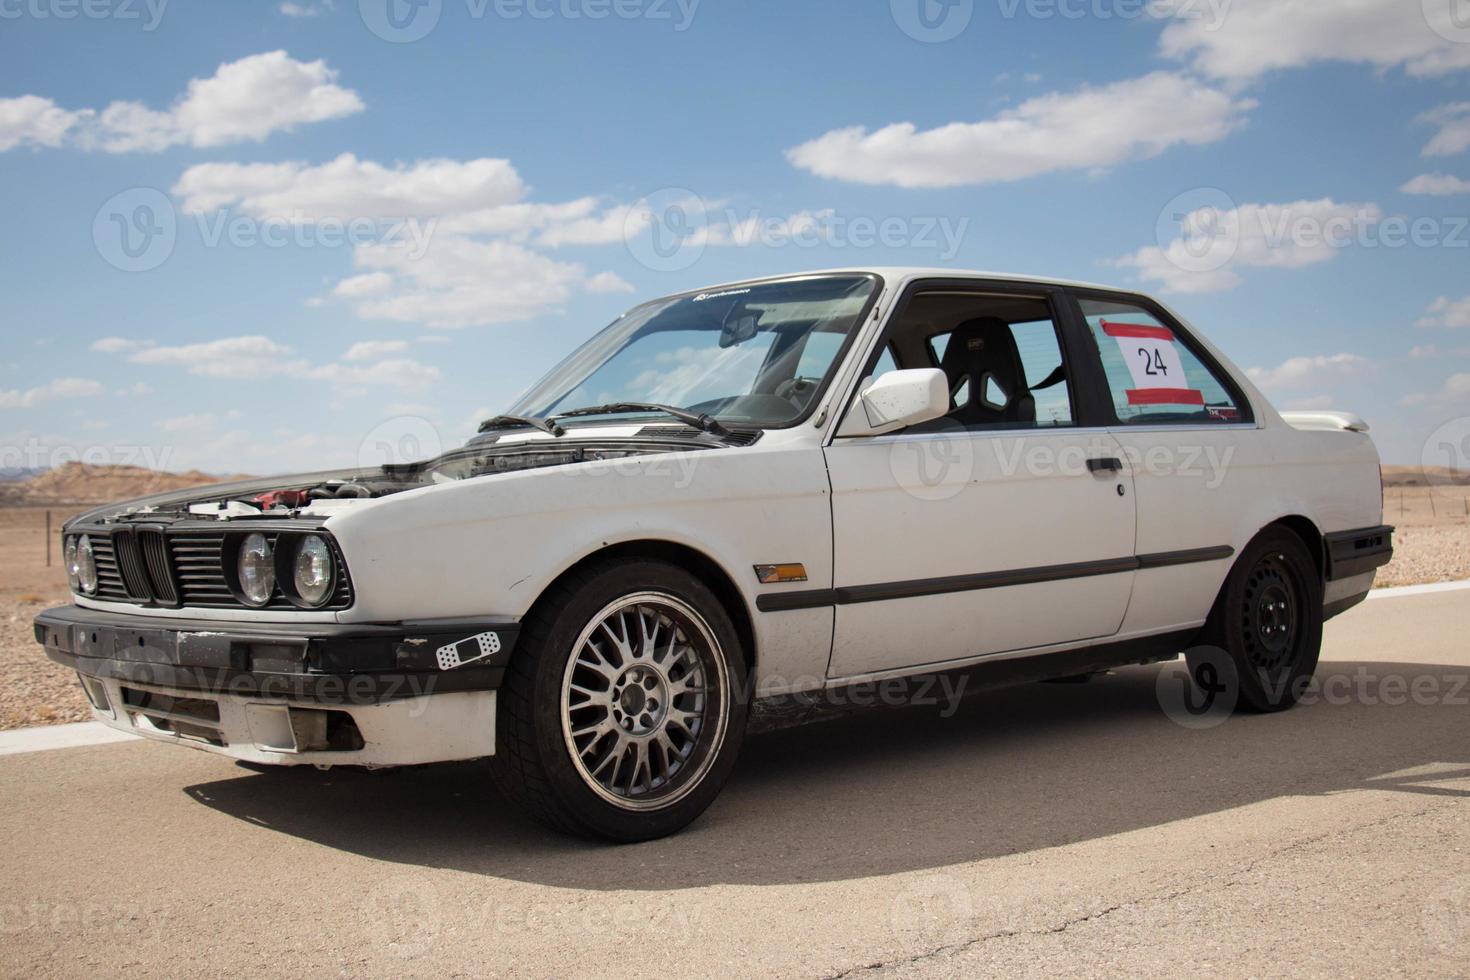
{"x": 897, "y": 274}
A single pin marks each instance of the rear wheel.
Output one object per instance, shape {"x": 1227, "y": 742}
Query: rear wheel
{"x": 623, "y": 708}
{"x": 1268, "y": 619}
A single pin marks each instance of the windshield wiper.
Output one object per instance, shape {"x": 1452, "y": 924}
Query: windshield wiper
{"x": 506, "y": 421}
{"x": 699, "y": 420}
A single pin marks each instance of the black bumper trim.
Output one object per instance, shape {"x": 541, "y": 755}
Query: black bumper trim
{"x": 327, "y": 663}
{"x": 1352, "y": 553}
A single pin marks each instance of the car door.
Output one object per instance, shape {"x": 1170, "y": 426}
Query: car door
{"x": 1200, "y": 461}
{"x": 979, "y": 534}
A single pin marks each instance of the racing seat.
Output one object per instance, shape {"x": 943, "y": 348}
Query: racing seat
{"x": 987, "y": 381}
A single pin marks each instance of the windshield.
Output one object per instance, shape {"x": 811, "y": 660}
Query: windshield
{"x": 757, "y": 354}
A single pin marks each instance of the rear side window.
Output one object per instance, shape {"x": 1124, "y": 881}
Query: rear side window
{"x": 1152, "y": 375}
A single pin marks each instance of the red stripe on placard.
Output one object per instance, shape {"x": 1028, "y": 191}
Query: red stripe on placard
{"x": 1166, "y": 396}
{"x": 1137, "y": 330}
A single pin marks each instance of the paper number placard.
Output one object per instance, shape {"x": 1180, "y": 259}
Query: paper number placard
{"x": 1153, "y": 361}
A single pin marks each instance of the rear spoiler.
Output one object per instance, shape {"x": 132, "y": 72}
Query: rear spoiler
{"x": 1325, "y": 421}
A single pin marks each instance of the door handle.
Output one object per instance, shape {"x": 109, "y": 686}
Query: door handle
{"x": 1107, "y": 464}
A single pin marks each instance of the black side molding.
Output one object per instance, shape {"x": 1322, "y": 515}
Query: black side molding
{"x": 852, "y": 594}
{"x": 1352, "y": 553}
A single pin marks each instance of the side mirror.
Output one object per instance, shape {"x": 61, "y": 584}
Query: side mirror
{"x": 896, "y": 401}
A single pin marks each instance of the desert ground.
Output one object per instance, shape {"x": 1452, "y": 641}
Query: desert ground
{"x": 1432, "y": 545}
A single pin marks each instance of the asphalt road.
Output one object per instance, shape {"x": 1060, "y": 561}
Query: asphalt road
{"x": 1055, "y": 829}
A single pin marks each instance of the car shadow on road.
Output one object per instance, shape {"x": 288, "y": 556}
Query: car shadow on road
{"x": 877, "y": 793}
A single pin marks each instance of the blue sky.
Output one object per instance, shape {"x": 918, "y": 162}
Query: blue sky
{"x": 357, "y": 234}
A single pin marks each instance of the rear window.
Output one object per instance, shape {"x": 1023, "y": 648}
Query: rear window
{"x": 1152, "y": 374}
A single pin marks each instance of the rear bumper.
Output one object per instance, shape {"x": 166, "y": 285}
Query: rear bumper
{"x": 1351, "y": 553}
{"x": 290, "y": 694}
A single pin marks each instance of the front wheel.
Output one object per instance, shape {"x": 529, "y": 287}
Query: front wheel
{"x": 1268, "y": 619}
{"x": 624, "y": 706}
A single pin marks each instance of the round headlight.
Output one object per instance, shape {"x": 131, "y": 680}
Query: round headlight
{"x": 313, "y": 571}
{"x": 257, "y": 570}
{"x": 72, "y": 567}
{"x": 86, "y": 566}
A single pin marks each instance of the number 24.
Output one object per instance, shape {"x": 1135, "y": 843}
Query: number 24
{"x": 1153, "y": 362}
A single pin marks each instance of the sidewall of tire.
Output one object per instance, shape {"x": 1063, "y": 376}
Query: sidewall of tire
{"x": 1223, "y": 629}
{"x": 583, "y": 807}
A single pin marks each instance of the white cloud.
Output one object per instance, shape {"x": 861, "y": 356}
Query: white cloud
{"x": 1421, "y": 352}
{"x": 1311, "y": 372}
{"x": 137, "y": 389}
{"x": 607, "y": 282}
{"x": 1453, "y": 137}
{"x": 347, "y": 188}
{"x": 1258, "y": 36}
{"x": 1455, "y": 390}
{"x": 461, "y": 282}
{"x": 60, "y": 388}
{"x": 1084, "y": 129}
{"x": 227, "y": 357}
{"x": 243, "y": 101}
{"x": 114, "y": 345}
{"x": 372, "y": 350}
{"x": 254, "y": 357}
{"x": 367, "y": 284}
{"x": 193, "y": 424}
{"x": 33, "y": 121}
{"x": 1437, "y": 185}
{"x": 306, "y": 9}
{"x": 1213, "y": 244}
{"x": 1446, "y": 313}
{"x": 1312, "y": 404}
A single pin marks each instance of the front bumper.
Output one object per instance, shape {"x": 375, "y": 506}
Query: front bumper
{"x": 287, "y": 693}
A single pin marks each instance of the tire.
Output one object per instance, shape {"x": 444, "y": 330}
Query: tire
{"x": 604, "y": 733}
{"x": 1268, "y": 620}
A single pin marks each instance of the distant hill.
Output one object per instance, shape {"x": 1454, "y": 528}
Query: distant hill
{"x": 84, "y": 483}
{"x": 1424, "y": 476}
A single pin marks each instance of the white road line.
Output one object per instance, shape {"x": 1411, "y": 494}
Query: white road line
{"x": 47, "y": 737}
{"x": 1404, "y": 591}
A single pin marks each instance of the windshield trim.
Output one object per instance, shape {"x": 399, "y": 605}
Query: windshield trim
{"x": 837, "y": 362}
